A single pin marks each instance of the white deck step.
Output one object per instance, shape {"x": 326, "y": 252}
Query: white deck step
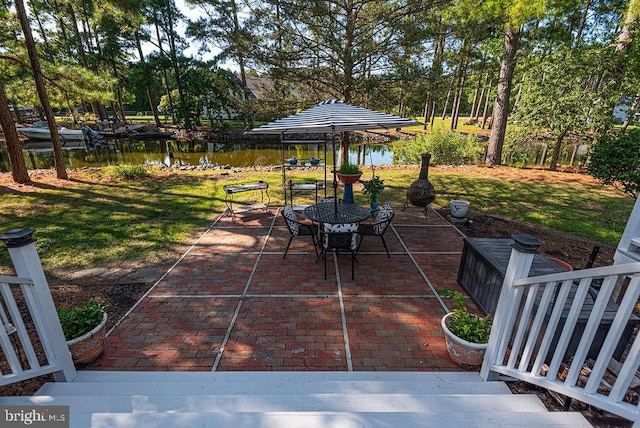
{"x": 325, "y": 419}
{"x": 289, "y": 403}
{"x": 274, "y": 387}
{"x": 270, "y": 376}
{"x": 293, "y": 399}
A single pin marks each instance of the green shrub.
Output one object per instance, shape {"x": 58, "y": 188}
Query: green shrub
{"x": 373, "y": 188}
{"x": 616, "y": 161}
{"x": 446, "y": 148}
{"x": 80, "y": 320}
{"x": 130, "y": 172}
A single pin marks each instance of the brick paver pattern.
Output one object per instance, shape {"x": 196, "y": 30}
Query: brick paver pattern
{"x": 233, "y": 303}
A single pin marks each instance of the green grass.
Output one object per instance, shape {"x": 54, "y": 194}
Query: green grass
{"x": 445, "y": 125}
{"x": 101, "y": 219}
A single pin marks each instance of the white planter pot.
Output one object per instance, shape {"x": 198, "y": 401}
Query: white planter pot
{"x": 89, "y": 346}
{"x": 459, "y": 208}
{"x": 467, "y": 354}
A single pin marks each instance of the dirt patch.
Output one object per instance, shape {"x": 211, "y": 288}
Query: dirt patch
{"x": 567, "y": 247}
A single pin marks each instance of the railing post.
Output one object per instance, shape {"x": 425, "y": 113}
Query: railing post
{"x": 21, "y": 246}
{"x": 523, "y": 250}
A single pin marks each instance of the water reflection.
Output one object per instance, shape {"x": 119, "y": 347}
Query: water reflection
{"x": 183, "y": 153}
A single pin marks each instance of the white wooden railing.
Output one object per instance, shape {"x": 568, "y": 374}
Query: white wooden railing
{"x": 538, "y": 318}
{"x": 31, "y": 337}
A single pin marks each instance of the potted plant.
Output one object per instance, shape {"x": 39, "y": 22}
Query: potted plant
{"x": 84, "y": 329}
{"x": 373, "y": 188}
{"x": 466, "y": 334}
{"x": 349, "y": 173}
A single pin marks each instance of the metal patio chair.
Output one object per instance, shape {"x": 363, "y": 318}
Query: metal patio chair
{"x": 297, "y": 228}
{"x": 338, "y": 237}
{"x": 378, "y": 227}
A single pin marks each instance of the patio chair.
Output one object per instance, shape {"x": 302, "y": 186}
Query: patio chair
{"x": 338, "y": 237}
{"x": 378, "y": 227}
{"x": 299, "y": 229}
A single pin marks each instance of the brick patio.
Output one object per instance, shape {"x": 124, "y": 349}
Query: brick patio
{"x": 232, "y": 303}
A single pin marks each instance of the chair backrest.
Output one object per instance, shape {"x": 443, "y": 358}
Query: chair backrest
{"x": 386, "y": 207}
{"x": 383, "y": 219}
{"x": 291, "y": 219}
{"x": 326, "y": 200}
{"x": 337, "y": 236}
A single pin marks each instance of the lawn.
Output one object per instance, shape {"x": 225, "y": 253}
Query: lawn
{"x": 98, "y": 218}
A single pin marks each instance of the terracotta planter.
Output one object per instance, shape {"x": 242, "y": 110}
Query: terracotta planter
{"x": 564, "y": 265}
{"x": 349, "y": 178}
{"x": 89, "y": 346}
{"x": 466, "y": 354}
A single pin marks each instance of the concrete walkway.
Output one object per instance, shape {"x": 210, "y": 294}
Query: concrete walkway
{"x": 232, "y": 303}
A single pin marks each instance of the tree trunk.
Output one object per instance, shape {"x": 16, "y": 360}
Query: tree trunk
{"x": 166, "y": 77}
{"x": 501, "y": 107}
{"x": 583, "y": 20}
{"x": 477, "y": 113}
{"x": 626, "y": 35}
{"x": 43, "y": 34}
{"x": 427, "y": 111}
{"x": 16, "y": 111}
{"x": 176, "y": 67}
{"x": 543, "y": 156}
{"x": 518, "y": 95}
{"x": 485, "y": 112}
{"x": 456, "y": 106}
{"x": 61, "y": 171}
{"x": 446, "y": 101}
{"x": 556, "y": 151}
{"x": 150, "y": 97}
{"x": 477, "y": 96}
{"x": 345, "y": 141}
{"x": 240, "y": 57}
{"x": 574, "y": 152}
{"x": 18, "y": 167}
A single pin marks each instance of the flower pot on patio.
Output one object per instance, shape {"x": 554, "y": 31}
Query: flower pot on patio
{"x": 459, "y": 208}
{"x": 462, "y": 352}
{"x": 89, "y": 346}
{"x": 466, "y": 334}
{"x": 349, "y": 178}
{"x": 84, "y": 328}
{"x": 564, "y": 265}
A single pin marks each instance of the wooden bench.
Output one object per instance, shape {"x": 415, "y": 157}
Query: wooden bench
{"x": 231, "y": 190}
{"x": 481, "y": 274}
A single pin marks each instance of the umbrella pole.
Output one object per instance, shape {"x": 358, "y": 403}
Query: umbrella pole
{"x": 284, "y": 173}
{"x": 326, "y": 161}
{"x": 335, "y": 178}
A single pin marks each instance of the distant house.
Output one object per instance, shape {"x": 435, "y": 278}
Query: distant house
{"x": 270, "y": 98}
{"x": 259, "y": 88}
{"x": 622, "y": 109}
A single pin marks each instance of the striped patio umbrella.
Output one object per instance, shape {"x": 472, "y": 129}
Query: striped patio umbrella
{"x": 330, "y": 117}
{"x": 333, "y": 116}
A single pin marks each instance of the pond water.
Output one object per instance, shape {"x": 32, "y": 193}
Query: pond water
{"x": 183, "y": 153}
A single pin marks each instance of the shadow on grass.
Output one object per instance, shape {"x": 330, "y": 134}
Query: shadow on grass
{"x": 91, "y": 223}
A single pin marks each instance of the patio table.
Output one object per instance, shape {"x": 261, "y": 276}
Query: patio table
{"x": 231, "y": 190}
{"x": 326, "y": 212}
